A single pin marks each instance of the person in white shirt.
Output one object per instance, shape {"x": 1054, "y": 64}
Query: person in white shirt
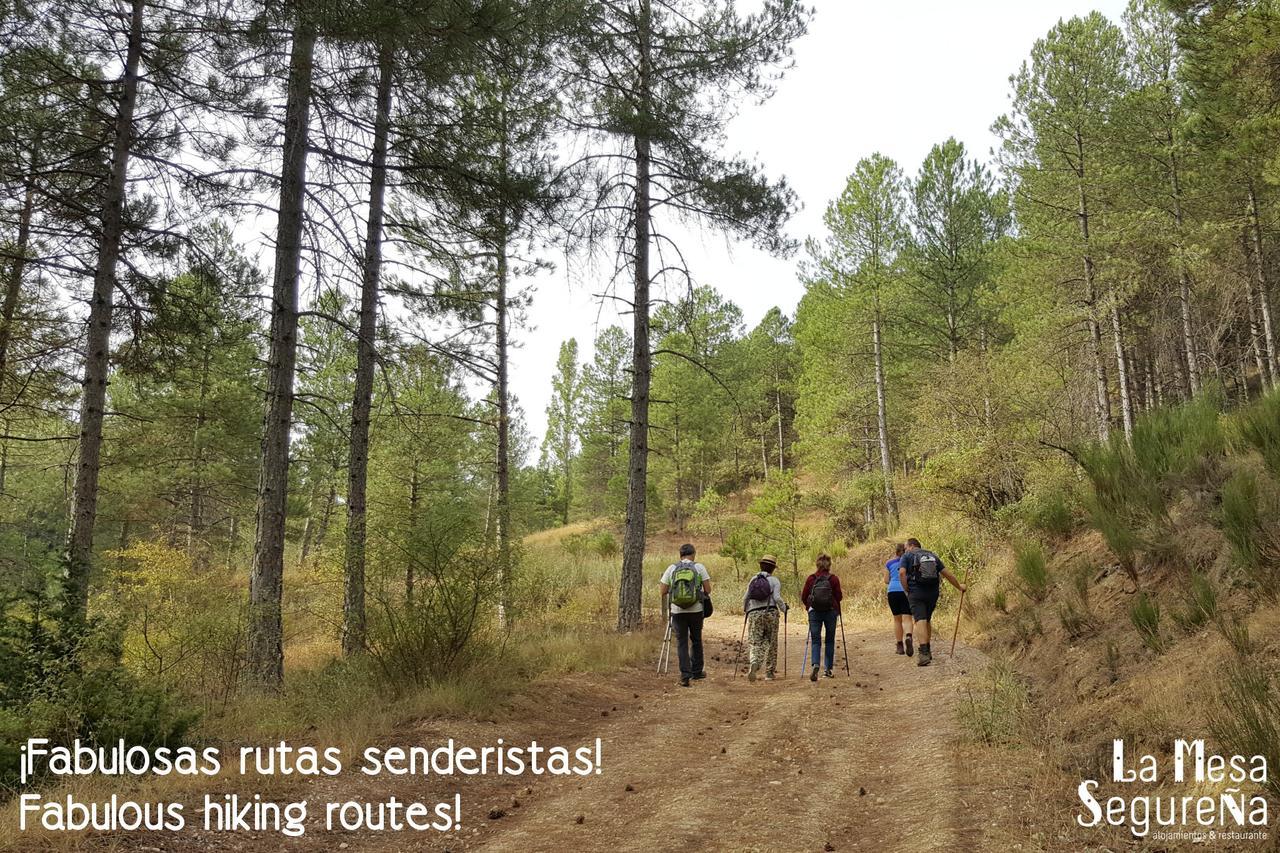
{"x": 686, "y": 616}
{"x": 763, "y": 605}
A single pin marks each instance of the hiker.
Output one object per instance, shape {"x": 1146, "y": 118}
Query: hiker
{"x": 919, "y": 572}
{"x": 899, "y": 606}
{"x": 688, "y": 584}
{"x": 762, "y": 604}
{"x": 821, "y": 597}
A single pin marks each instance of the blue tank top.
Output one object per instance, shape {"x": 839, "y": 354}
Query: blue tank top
{"x": 895, "y": 585}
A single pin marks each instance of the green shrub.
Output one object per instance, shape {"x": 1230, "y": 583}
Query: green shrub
{"x": 1032, "y": 568}
{"x": 1049, "y": 515}
{"x": 1202, "y": 602}
{"x": 604, "y": 545}
{"x": 1258, "y": 427}
{"x": 1235, "y": 632}
{"x": 1145, "y": 615}
{"x": 995, "y": 712}
{"x": 420, "y": 641}
{"x": 1134, "y": 483}
{"x": 1075, "y": 620}
{"x": 1000, "y": 601}
{"x": 1247, "y": 717}
{"x": 1254, "y": 546}
{"x": 79, "y": 689}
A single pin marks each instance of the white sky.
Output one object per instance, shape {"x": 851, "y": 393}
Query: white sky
{"x": 894, "y": 77}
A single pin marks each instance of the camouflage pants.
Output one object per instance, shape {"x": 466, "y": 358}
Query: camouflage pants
{"x": 762, "y": 640}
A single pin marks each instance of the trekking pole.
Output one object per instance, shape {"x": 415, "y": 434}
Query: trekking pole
{"x": 959, "y": 613}
{"x": 784, "y": 643}
{"x": 843, "y": 642}
{"x": 665, "y": 651}
{"x": 737, "y": 652}
{"x": 804, "y": 655}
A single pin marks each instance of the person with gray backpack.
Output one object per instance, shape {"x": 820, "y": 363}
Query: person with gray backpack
{"x": 763, "y": 605}
{"x": 686, "y": 585}
{"x": 920, "y": 572}
{"x": 821, "y": 597}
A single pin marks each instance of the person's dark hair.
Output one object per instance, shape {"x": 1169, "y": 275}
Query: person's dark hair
{"x": 687, "y": 550}
{"x": 824, "y": 563}
{"x": 913, "y": 542}
{"x": 899, "y": 549}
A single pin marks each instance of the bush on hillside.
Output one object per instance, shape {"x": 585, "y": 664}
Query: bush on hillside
{"x": 1033, "y": 570}
{"x": 438, "y": 631}
{"x": 1247, "y": 718}
{"x": 1145, "y": 615}
{"x": 1255, "y": 546}
{"x": 64, "y": 688}
{"x": 1133, "y": 484}
{"x": 1258, "y": 427}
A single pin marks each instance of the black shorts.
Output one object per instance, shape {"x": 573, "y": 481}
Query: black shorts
{"x": 923, "y": 600}
{"x": 898, "y": 604}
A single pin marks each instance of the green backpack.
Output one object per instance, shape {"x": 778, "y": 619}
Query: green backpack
{"x": 685, "y": 585}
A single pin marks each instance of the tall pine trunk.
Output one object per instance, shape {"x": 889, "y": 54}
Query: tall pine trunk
{"x": 502, "y": 320}
{"x": 633, "y": 544}
{"x": 266, "y": 577}
{"x": 97, "y": 352}
{"x": 1122, "y": 371}
{"x": 353, "y": 609}
{"x": 1264, "y": 289}
{"x": 1102, "y": 396}
{"x": 414, "y": 500}
{"x": 1255, "y": 327}
{"x": 13, "y": 287}
{"x": 882, "y": 418}
{"x": 1184, "y": 282}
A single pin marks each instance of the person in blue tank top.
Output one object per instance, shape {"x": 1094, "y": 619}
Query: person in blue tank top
{"x": 899, "y": 606}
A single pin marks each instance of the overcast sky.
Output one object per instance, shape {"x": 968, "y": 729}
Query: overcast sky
{"x": 894, "y": 77}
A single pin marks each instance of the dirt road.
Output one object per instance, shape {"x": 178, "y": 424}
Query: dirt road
{"x": 871, "y": 761}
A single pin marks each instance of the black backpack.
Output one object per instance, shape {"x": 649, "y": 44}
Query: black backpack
{"x": 927, "y": 564}
{"x": 760, "y": 589}
{"x": 821, "y": 594}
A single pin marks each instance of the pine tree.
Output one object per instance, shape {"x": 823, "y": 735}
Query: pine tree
{"x": 658, "y": 81}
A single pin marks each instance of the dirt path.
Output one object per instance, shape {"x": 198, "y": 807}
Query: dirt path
{"x": 871, "y": 761}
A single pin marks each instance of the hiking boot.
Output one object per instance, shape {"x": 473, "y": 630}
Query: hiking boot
{"x": 813, "y": 676}
{"x": 901, "y": 650}
{"x": 770, "y": 677}
{"x": 698, "y": 676}
{"x": 910, "y": 649}
{"x": 828, "y": 674}
{"x": 926, "y": 657}
{"x": 684, "y": 682}
{"x": 751, "y": 673}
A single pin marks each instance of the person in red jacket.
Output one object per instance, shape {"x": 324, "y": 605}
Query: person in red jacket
{"x": 821, "y": 597}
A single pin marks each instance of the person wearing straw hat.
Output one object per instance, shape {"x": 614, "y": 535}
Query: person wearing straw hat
{"x": 762, "y": 604}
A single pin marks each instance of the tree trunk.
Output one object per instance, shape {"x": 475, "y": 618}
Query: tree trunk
{"x": 882, "y": 419}
{"x": 633, "y": 544}
{"x": 778, "y": 401}
{"x": 195, "y": 518}
{"x": 1255, "y": 330}
{"x": 84, "y": 496}
{"x": 764, "y": 455}
{"x": 266, "y": 577}
{"x": 13, "y": 289}
{"x": 1184, "y": 284}
{"x": 504, "y": 430}
{"x": 1102, "y": 396}
{"x": 1264, "y": 289}
{"x": 1122, "y": 371}
{"x": 353, "y": 610}
{"x": 413, "y": 526}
